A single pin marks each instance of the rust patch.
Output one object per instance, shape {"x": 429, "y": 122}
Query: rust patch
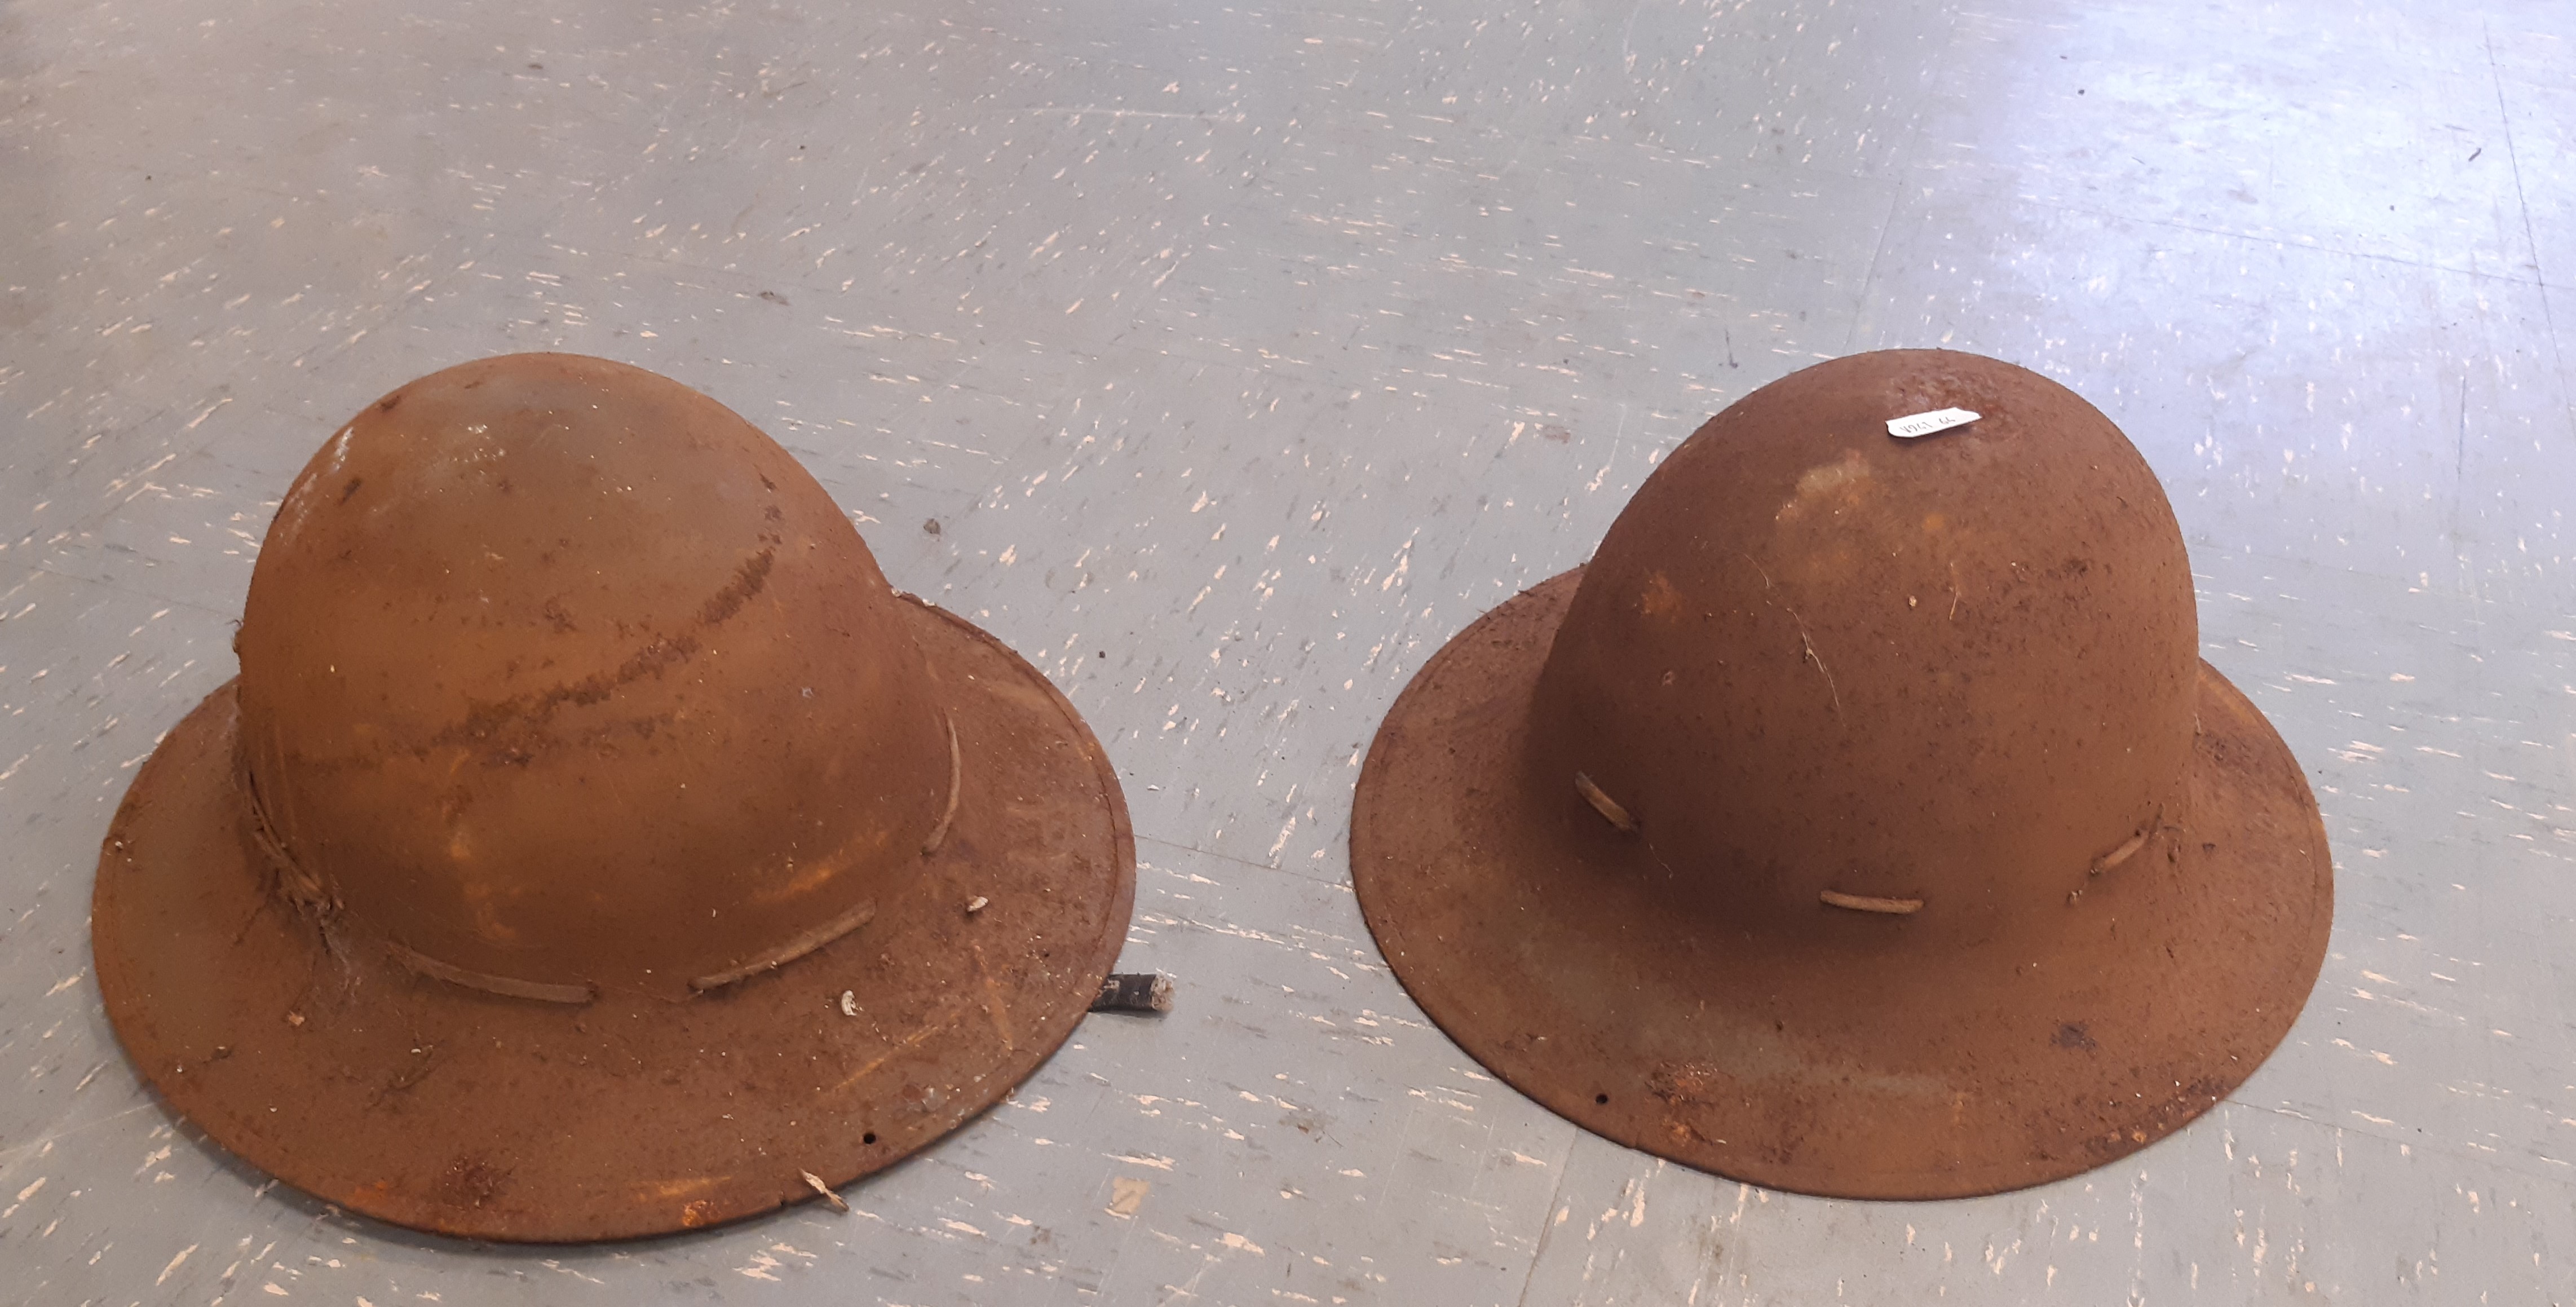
{"x": 1660, "y": 598}
{"x": 747, "y": 581}
{"x": 508, "y": 729}
{"x": 1688, "y": 1082}
{"x": 1839, "y": 483}
{"x": 470, "y": 1181}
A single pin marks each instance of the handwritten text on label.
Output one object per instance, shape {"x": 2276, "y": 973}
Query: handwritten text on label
{"x": 1924, "y": 424}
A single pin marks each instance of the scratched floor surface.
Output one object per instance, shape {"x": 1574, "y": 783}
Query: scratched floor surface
{"x": 1241, "y": 356}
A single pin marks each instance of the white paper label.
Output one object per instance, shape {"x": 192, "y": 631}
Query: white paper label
{"x": 1924, "y": 424}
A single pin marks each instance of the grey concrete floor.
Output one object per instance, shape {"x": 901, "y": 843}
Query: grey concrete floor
{"x": 1243, "y": 355}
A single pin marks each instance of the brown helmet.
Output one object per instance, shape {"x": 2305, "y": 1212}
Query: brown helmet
{"x": 1861, "y": 820}
{"x": 581, "y": 762}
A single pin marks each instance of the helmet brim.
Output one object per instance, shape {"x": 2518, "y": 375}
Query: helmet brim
{"x": 1852, "y": 1064}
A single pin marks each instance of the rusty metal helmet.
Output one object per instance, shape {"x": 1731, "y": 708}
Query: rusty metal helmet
{"x": 581, "y": 762}
{"x": 1861, "y": 820}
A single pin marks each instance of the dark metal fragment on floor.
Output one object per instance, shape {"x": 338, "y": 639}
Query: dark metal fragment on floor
{"x": 1142, "y": 991}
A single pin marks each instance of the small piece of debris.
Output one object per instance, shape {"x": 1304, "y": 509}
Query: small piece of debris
{"x": 773, "y": 297}
{"x": 2121, "y": 854}
{"x": 815, "y": 1182}
{"x": 1870, "y": 903}
{"x": 295, "y": 1018}
{"x": 1609, "y": 808}
{"x": 849, "y": 1003}
{"x": 976, "y": 904}
{"x": 931, "y": 525}
{"x": 1142, "y": 991}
